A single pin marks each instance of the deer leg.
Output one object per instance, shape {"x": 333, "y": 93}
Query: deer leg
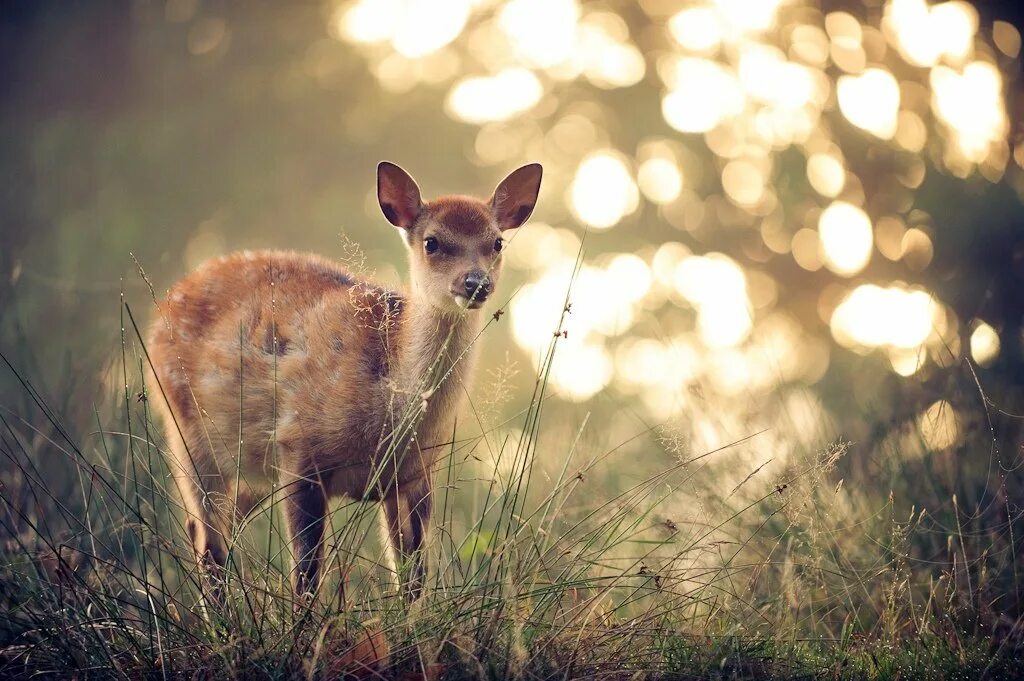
{"x": 305, "y": 509}
{"x": 200, "y": 495}
{"x": 407, "y": 514}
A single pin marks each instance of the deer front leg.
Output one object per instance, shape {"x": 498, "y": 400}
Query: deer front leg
{"x": 305, "y": 507}
{"x": 407, "y": 514}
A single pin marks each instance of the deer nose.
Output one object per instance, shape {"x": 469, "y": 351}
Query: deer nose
{"x": 478, "y": 285}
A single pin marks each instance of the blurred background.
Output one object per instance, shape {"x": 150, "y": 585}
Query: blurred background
{"x": 799, "y": 221}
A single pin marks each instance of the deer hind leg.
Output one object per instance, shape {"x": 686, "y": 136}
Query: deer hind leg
{"x": 305, "y": 509}
{"x": 407, "y": 514}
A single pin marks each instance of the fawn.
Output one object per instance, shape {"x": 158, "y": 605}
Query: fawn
{"x": 281, "y": 365}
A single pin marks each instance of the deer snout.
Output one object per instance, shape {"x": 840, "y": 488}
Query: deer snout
{"x": 478, "y": 285}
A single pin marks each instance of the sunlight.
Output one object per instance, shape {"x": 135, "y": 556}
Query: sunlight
{"x": 494, "y": 98}
{"x": 871, "y": 101}
{"x": 603, "y": 190}
{"x": 415, "y": 28}
{"x": 826, "y": 174}
{"x": 939, "y": 426}
{"x": 984, "y": 344}
{"x": 717, "y": 287}
{"x": 872, "y": 316}
{"x": 846, "y": 238}
{"x": 660, "y": 179}
{"x": 925, "y": 34}
{"x": 971, "y": 104}
{"x": 542, "y": 32}
{"x": 743, "y": 182}
{"x": 702, "y": 94}
{"x": 696, "y": 29}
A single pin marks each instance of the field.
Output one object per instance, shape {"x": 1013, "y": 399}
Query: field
{"x": 549, "y": 560}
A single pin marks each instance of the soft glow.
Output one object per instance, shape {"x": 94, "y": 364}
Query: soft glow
{"x": 826, "y": 174}
{"x": 581, "y": 372}
{"x": 494, "y": 98}
{"x": 939, "y": 426}
{"x": 806, "y": 248}
{"x": 846, "y": 238}
{"x": 603, "y": 191}
{"x": 872, "y": 316}
{"x": 696, "y": 28}
{"x": 984, "y": 344}
{"x": 717, "y": 287}
{"x": 769, "y": 78}
{"x": 424, "y": 26}
{"x": 747, "y": 16}
{"x": 743, "y": 182}
{"x": 1007, "y": 38}
{"x": 971, "y": 104}
{"x": 415, "y": 27}
{"x": 924, "y": 34}
{"x": 660, "y": 180}
{"x": 702, "y": 93}
{"x": 542, "y": 32}
{"x": 870, "y": 101}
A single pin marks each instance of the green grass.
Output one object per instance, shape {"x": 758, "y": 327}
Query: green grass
{"x": 547, "y": 560}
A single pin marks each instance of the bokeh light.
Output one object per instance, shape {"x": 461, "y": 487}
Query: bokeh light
{"x": 603, "y": 190}
{"x": 846, "y": 238}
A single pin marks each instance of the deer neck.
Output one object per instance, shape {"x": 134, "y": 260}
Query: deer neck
{"x": 434, "y": 361}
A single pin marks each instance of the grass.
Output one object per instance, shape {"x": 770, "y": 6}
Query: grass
{"x": 546, "y": 560}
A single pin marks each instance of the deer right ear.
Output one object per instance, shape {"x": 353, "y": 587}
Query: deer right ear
{"x": 398, "y": 195}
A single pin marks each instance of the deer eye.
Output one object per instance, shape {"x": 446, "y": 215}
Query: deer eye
{"x": 499, "y": 244}
{"x": 430, "y": 245}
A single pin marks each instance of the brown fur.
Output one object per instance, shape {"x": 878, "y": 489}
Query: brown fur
{"x": 281, "y": 366}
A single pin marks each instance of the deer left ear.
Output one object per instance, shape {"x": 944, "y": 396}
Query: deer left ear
{"x": 516, "y": 195}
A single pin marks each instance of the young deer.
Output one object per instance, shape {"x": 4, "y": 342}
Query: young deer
{"x": 281, "y": 365}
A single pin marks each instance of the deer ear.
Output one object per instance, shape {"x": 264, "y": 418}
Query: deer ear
{"x": 398, "y": 195}
{"x": 516, "y": 195}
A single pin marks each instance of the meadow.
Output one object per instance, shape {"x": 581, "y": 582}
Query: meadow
{"x": 563, "y": 552}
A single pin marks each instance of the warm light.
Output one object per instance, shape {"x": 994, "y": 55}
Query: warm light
{"x": 846, "y": 238}
{"x": 542, "y": 32}
{"x": 870, "y": 101}
{"x": 984, "y": 344}
{"x": 925, "y": 34}
{"x": 603, "y": 191}
{"x": 743, "y": 182}
{"x": 826, "y": 174}
{"x": 425, "y": 26}
{"x": 494, "y": 98}
{"x": 581, "y": 372}
{"x": 696, "y": 28}
{"x": 872, "y": 316}
{"x": 747, "y": 16}
{"x": 939, "y": 426}
{"x": 953, "y": 25}
{"x": 415, "y": 27}
{"x": 717, "y": 287}
{"x": 806, "y": 248}
{"x": 1007, "y": 38}
{"x": 971, "y": 104}
{"x": 889, "y": 233}
{"x": 916, "y": 249}
{"x": 632, "y": 274}
{"x": 660, "y": 180}
{"x": 610, "y": 64}
{"x": 702, "y": 94}
{"x": 768, "y": 77}
{"x": 366, "y": 21}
